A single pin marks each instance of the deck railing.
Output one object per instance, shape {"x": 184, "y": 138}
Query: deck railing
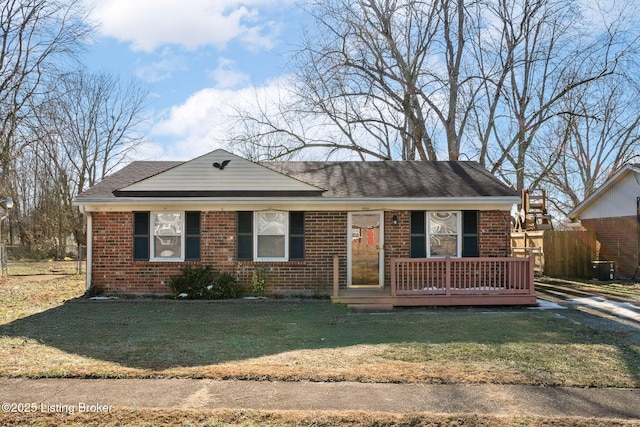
{"x": 462, "y": 276}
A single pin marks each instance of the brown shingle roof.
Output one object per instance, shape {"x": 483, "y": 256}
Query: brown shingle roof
{"x": 378, "y": 179}
{"x": 133, "y": 172}
{"x": 396, "y": 178}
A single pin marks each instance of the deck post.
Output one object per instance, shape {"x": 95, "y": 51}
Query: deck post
{"x": 532, "y": 263}
{"x": 336, "y": 276}
{"x": 393, "y": 277}
{"x": 447, "y": 276}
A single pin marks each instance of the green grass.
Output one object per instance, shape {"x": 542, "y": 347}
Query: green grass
{"x": 40, "y": 336}
{"x": 625, "y": 291}
{"x": 25, "y": 268}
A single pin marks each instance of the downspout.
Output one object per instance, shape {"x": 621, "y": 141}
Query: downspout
{"x": 89, "y": 246}
{"x": 89, "y": 250}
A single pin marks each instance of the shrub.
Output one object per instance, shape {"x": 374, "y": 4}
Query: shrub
{"x": 35, "y": 252}
{"x": 258, "y": 282}
{"x": 205, "y": 283}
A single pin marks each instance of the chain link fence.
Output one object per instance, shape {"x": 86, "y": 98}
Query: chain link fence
{"x": 20, "y": 260}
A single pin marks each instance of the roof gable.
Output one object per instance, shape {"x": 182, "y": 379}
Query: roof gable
{"x": 617, "y": 197}
{"x": 217, "y": 173}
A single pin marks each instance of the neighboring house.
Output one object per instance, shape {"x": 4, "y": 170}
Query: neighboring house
{"x": 612, "y": 212}
{"x": 316, "y": 228}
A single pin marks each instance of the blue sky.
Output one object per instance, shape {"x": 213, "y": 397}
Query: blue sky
{"x": 197, "y": 58}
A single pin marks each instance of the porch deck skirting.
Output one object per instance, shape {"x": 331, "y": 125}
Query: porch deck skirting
{"x": 450, "y": 281}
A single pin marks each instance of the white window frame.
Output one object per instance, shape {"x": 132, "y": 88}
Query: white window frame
{"x": 152, "y": 237}
{"x": 458, "y": 233}
{"x": 256, "y": 215}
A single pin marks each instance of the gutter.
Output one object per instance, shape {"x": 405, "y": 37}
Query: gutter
{"x": 228, "y": 204}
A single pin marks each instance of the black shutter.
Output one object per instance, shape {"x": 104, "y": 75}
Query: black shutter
{"x": 418, "y": 235}
{"x": 296, "y": 236}
{"x": 245, "y": 236}
{"x": 141, "y": 236}
{"x": 470, "y": 234}
{"x": 192, "y": 236}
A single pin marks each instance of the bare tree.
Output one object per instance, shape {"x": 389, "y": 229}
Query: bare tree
{"x": 600, "y": 136}
{"x": 31, "y": 185}
{"x": 382, "y": 79}
{"x": 547, "y": 56}
{"x": 37, "y": 39}
{"x": 85, "y": 129}
{"x": 494, "y": 80}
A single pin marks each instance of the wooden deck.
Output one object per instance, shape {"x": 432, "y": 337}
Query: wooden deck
{"x": 449, "y": 282}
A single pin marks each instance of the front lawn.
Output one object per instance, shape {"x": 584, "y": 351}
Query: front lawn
{"x": 43, "y": 336}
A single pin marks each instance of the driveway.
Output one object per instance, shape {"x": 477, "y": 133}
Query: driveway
{"x": 612, "y": 315}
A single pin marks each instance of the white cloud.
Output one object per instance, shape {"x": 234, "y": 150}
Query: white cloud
{"x": 261, "y": 37}
{"x": 149, "y": 24}
{"x": 162, "y": 69}
{"x": 226, "y": 76}
{"x": 201, "y": 123}
{"x": 148, "y": 150}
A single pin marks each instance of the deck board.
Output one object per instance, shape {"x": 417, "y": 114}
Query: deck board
{"x": 368, "y": 297}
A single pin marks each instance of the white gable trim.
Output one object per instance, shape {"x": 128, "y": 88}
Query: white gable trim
{"x": 602, "y": 190}
{"x": 200, "y": 175}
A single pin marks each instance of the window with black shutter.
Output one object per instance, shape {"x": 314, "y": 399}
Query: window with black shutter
{"x": 168, "y": 235}
{"x": 245, "y": 236}
{"x": 418, "y": 235}
{"x": 296, "y": 236}
{"x": 192, "y": 236}
{"x": 470, "y": 234}
{"x": 141, "y": 236}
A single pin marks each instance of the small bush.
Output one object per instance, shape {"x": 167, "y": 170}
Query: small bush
{"x": 205, "y": 283}
{"x": 258, "y": 282}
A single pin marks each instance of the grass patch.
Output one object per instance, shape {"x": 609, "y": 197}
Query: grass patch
{"x": 175, "y": 417}
{"x": 629, "y": 291}
{"x": 24, "y": 296}
{"x": 43, "y": 334}
{"x": 26, "y": 268}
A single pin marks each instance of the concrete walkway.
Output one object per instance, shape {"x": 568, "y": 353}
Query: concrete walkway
{"x": 59, "y": 395}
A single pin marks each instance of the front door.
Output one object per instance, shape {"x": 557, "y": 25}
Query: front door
{"x": 366, "y": 255}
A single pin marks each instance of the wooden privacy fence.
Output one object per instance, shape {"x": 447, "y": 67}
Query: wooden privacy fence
{"x": 461, "y": 276}
{"x": 567, "y": 253}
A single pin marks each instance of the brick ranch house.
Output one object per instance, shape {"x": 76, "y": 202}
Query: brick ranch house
{"x": 386, "y": 232}
{"x": 613, "y": 213}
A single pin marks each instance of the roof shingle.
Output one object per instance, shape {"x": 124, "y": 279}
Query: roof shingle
{"x": 376, "y": 179}
{"x": 396, "y": 178}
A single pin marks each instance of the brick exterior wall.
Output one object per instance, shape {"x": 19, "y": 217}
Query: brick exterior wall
{"x": 618, "y": 239}
{"x": 494, "y": 233}
{"x": 325, "y": 236}
{"x": 115, "y": 272}
{"x": 397, "y": 243}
